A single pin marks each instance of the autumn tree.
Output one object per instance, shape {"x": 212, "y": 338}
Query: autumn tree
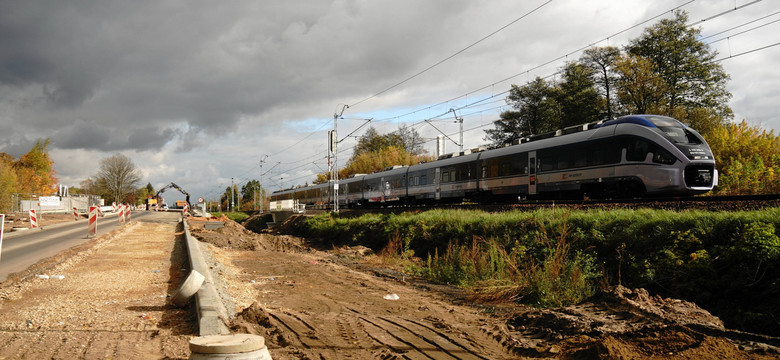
{"x": 747, "y": 158}
{"x": 375, "y": 151}
{"x": 639, "y": 89}
{"x": 117, "y": 178}
{"x": 8, "y": 182}
{"x": 35, "y": 170}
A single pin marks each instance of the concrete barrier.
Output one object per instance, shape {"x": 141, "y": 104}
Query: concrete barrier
{"x": 209, "y": 307}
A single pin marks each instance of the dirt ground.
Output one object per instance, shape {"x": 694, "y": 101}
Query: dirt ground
{"x": 112, "y": 302}
{"x": 106, "y": 299}
{"x": 339, "y": 304}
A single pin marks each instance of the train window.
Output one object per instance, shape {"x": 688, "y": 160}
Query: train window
{"x": 662, "y": 156}
{"x": 484, "y": 172}
{"x": 580, "y": 157}
{"x": 521, "y": 164}
{"x": 564, "y": 159}
{"x": 547, "y": 162}
{"x": 505, "y": 169}
{"x": 637, "y": 150}
{"x": 596, "y": 156}
{"x": 445, "y": 177}
{"x": 416, "y": 180}
{"x": 532, "y": 161}
{"x": 423, "y": 180}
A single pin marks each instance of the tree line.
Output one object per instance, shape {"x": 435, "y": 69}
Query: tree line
{"x": 667, "y": 70}
{"x": 33, "y": 174}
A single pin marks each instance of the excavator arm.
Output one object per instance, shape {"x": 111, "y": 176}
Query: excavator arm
{"x": 177, "y": 187}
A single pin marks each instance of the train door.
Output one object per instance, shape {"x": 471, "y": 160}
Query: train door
{"x": 532, "y": 173}
{"x": 436, "y": 183}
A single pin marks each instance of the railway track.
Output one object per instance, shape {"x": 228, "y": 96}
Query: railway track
{"x": 705, "y": 203}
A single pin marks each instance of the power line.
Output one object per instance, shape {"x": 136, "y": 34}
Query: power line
{"x": 451, "y": 56}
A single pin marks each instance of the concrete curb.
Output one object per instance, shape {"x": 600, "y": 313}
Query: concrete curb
{"x": 209, "y": 307}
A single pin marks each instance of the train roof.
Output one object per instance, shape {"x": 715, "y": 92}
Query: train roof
{"x": 576, "y": 133}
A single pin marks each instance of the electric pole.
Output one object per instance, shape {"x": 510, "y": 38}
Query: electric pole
{"x": 334, "y": 141}
{"x": 262, "y": 196}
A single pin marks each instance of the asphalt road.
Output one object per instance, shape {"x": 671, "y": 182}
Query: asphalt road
{"x": 20, "y": 250}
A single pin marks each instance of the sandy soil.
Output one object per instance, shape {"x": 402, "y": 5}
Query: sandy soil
{"x": 339, "y": 304}
{"x": 112, "y": 301}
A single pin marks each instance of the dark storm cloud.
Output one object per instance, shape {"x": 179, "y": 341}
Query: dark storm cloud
{"x": 83, "y": 135}
{"x": 121, "y": 65}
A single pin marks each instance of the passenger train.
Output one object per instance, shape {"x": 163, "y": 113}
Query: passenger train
{"x": 632, "y": 156}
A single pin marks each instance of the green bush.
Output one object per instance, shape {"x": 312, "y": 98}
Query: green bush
{"x": 727, "y": 262}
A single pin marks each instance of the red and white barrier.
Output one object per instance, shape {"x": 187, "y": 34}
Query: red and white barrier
{"x": 186, "y": 211}
{"x": 127, "y": 212}
{"x": 93, "y": 214}
{"x": 33, "y": 219}
{"x": 121, "y": 214}
{"x": 114, "y": 205}
{"x": 76, "y": 214}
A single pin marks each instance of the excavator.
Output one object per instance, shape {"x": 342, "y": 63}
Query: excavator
{"x": 177, "y": 187}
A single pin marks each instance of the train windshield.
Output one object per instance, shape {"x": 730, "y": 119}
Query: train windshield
{"x": 673, "y": 130}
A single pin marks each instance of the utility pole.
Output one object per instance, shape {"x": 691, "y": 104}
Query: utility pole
{"x": 459, "y": 120}
{"x": 262, "y": 196}
{"x": 334, "y": 140}
{"x": 232, "y": 202}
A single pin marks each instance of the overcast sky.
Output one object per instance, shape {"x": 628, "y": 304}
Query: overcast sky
{"x": 198, "y": 92}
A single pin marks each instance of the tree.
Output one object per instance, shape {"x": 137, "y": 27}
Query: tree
{"x": 411, "y": 140}
{"x": 35, "y": 170}
{"x": 145, "y": 192}
{"x": 118, "y": 178}
{"x": 685, "y": 64}
{"x": 375, "y": 152}
{"x": 372, "y": 141}
{"x": 8, "y": 183}
{"x": 536, "y": 111}
{"x": 602, "y": 61}
{"x": 577, "y": 96}
{"x": 88, "y": 186}
{"x": 747, "y": 158}
{"x": 640, "y": 90}
{"x": 250, "y": 193}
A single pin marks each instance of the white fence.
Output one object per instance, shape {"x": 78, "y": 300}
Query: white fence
{"x": 60, "y": 203}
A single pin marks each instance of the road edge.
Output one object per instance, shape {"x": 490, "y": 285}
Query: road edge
{"x": 209, "y": 308}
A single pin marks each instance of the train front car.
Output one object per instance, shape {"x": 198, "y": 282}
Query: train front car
{"x": 664, "y": 156}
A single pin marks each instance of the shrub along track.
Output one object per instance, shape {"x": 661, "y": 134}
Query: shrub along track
{"x": 338, "y": 304}
{"x": 707, "y": 203}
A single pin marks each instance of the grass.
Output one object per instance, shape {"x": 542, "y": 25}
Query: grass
{"x": 237, "y": 216}
{"x": 727, "y": 262}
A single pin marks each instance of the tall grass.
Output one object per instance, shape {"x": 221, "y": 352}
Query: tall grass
{"x": 726, "y": 261}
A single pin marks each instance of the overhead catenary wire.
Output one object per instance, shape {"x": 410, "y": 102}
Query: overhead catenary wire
{"x": 453, "y": 55}
{"x": 493, "y": 97}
